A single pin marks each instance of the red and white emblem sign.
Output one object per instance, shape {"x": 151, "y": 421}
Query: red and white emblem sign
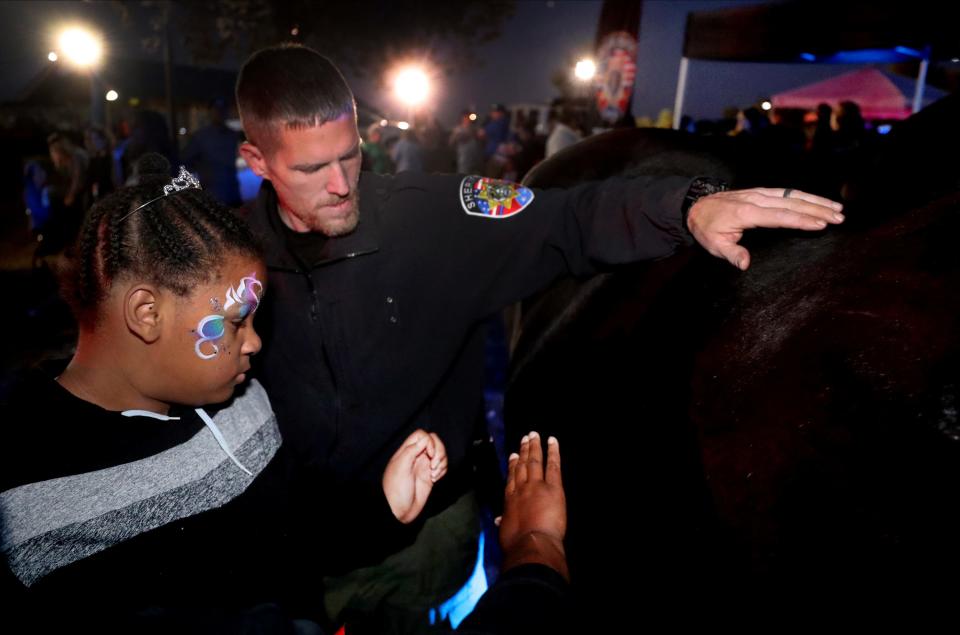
{"x": 617, "y": 55}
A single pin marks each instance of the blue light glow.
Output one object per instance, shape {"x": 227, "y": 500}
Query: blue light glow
{"x": 905, "y": 50}
{"x": 459, "y": 606}
{"x": 871, "y": 56}
{"x": 249, "y": 184}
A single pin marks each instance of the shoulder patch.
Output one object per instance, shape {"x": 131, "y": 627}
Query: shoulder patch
{"x": 491, "y": 198}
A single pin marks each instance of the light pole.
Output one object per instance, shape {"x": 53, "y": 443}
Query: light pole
{"x": 585, "y": 76}
{"x": 585, "y": 73}
{"x": 585, "y": 70}
{"x": 83, "y": 49}
{"x": 412, "y": 87}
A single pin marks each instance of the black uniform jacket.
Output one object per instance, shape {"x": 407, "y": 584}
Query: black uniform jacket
{"x": 379, "y": 334}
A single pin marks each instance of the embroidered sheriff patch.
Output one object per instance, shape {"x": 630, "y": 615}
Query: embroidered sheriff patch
{"x": 481, "y": 196}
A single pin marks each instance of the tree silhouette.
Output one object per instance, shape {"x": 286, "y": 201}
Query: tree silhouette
{"x": 363, "y": 37}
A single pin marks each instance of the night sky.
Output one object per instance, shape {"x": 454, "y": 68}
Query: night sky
{"x": 540, "y": 38}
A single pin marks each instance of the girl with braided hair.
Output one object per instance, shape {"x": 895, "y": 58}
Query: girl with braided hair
{"x": 127, "y": 502}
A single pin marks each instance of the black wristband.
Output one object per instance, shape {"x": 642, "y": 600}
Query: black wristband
{"x": 701, "y": 186}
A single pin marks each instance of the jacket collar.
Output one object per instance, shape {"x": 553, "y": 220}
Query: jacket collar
{"x": 365, "y": 239}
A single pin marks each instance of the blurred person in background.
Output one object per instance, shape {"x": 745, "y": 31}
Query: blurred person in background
{"x": 212, "y": 155}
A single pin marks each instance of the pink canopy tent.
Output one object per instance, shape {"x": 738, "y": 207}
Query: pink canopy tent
{"x": 874, "y": 91}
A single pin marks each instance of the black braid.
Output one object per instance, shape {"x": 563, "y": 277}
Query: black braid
{"x": 87, "y": 266}
{"x": 194, "y": 225}
{"x": 113, "y": 260}
{"x": 231, "y": 222}
{"x": 166, "y": 237}
{"x": 184, "y": 205}
{"x": 175, "y": 241}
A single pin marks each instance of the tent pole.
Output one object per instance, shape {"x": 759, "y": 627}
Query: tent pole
{"x": 681, "y": 92}
{"x": 921, "y": 82}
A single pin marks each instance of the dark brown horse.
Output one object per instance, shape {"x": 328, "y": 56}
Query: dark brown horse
{"x": 792, "y": 428}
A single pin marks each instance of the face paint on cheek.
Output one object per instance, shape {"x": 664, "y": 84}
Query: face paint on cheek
{"x": 247, "y": 295}
{"x": 209, "y": 329}
{"x": 215, "y": 305}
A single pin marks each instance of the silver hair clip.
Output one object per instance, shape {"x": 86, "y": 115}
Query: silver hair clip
{"x": 183, "y": 181}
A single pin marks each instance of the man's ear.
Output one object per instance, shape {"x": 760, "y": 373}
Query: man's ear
{"x": 255, "y": 159}
{"x": 141, "y": 311}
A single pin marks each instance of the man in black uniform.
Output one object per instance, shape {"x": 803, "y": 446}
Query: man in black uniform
{"x": 373, "y": 320}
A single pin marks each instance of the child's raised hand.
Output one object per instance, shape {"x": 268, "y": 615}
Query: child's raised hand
{"x": 409, "y": 476}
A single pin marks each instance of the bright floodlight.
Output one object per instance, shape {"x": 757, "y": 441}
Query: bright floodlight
{"x": 766, "y": 105}
{"x": 80, "y": 46}
{"x": 473, "y": 116}
{"x": 52, "y": 56}
{"x": 585, "y": 70}
{"x": 403, "y": 125}
{"x": 412, "y": 86}
{"x": 112, "y": 95}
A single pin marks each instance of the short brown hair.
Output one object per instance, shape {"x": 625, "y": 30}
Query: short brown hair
{"x": 291, "y": 86}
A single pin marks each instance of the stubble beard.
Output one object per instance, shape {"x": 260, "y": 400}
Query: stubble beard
{"x": 317, "y": 221}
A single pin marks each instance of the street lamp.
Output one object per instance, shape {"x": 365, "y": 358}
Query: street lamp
{"x": 412, "y": 87}
{"x": 83, "y": 49}
{"x": 585, "y": 69}
{"x": 80, "y": 46}
{"x": 585, "y": 72}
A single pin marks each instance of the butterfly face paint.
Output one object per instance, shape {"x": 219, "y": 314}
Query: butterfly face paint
{"x": 245, "y": 297}
{"x": 209, "y": 329}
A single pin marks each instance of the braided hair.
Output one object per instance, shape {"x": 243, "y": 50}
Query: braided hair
{"x": 175, "y": 242}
